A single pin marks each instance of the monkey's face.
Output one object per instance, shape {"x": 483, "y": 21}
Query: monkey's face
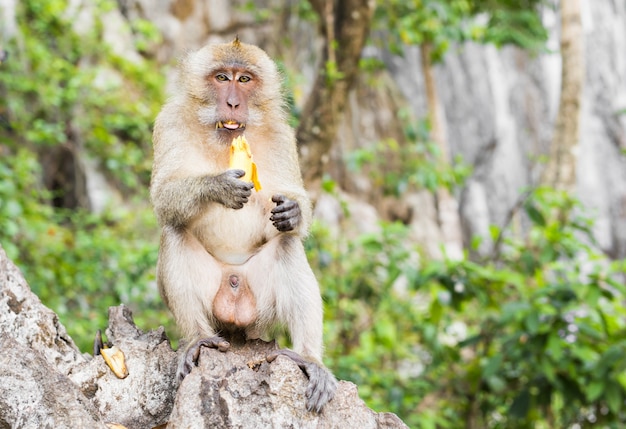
{"x": 233, "y": 88}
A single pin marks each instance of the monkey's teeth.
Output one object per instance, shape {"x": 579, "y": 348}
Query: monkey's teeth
{"x": 230, "y": 124}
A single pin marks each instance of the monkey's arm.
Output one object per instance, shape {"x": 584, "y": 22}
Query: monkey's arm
{"x": 178, "y": 201}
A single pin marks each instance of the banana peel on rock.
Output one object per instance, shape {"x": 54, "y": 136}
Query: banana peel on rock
{"x": 113, "y": 356}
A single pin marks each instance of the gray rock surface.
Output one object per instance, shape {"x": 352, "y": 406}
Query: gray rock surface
{"x": 25, "y": 319}
{"x": 46, "y": 383}
{"x": 144, "y": 398}
{"x": 34, "y": 394}
{"x": 239, "y": 389}
{"x": 499, "y": 111}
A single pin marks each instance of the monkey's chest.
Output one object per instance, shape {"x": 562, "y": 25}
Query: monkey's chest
{"x": 233, "y": 236}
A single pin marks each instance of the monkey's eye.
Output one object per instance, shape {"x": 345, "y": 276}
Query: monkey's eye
{"x": 221, "y": 77}
{"x": 244, "y": 79}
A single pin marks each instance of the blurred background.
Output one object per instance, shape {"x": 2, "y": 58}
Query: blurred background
{"x": 466, "y": 158}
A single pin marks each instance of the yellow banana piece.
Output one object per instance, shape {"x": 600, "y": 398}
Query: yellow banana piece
{"x": 114, "y": 358}
{"x": 241, "y": 158}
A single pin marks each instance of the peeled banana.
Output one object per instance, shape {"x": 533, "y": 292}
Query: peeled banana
{"x": 241, "y": 158}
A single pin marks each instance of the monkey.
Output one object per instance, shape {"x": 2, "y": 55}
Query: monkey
{"x": 232, "y": 260}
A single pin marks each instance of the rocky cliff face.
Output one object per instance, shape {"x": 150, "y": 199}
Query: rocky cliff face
{"x": 500, "y": 107}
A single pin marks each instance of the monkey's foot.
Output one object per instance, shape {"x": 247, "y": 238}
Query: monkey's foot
{"x": 189, "y": 359}
{"x": 322, "y": 383}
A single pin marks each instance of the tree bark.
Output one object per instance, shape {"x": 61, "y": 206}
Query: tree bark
{"x": 345, "y": 25}
{"x": 560, "y": 171}
{"x": 447, "y": 206}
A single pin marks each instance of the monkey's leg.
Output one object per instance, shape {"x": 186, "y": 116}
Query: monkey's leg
{"x": 287, "y": 282}
{"x": 188, "y": 278}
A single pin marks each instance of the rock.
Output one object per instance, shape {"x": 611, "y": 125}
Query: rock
{"x": 240, "y": 389}
{"x": 34, "y": 394}
{"x": 25, "y": 319}
{"x": 144, "y": 398}
{"x": 46, "y": 382}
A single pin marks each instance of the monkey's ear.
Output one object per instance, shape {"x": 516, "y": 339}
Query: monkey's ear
{"x": 236, "y": 42}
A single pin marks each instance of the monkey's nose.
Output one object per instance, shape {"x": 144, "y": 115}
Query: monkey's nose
{"x": 233, "y": 100}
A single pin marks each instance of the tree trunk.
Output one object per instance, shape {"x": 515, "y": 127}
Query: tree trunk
{"x": 560, "y": 172}
{"x": 345, "y": 26}
{"x": 447, "y": 206}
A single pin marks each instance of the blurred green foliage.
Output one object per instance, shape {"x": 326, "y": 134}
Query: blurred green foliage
{"x": 395, "y": 167}
{"x": 443, "y": 23}
{"x": 531, "y": 336}
{"x": 62, "y": 88}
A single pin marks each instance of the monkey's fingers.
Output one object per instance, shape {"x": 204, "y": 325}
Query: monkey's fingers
{"x": 279, "y": 199}
{"x": 284, "y": 204}
{"x": 287, "y": 221}
{"x": 242, "y": 192}
{"x": 234, "y": 193}
{"x": 285, "y": 226}
{"x": 237, "y": 173}
{"x": 281, "y": 213}
{"x": 286, "y": 215}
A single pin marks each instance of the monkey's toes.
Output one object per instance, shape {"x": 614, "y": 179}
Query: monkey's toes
{"x": 215, "y": 342}
{"x": 321, "y": 389}
{"x": 190, "y": 357}
{"x": 322, "y": 383}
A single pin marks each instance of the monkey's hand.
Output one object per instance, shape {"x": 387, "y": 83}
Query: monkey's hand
{"x": 190, "y": 356}
{"x": 286, "y": 216}
{"x": 227, "y": 189}
{"x": 322, "y": 383}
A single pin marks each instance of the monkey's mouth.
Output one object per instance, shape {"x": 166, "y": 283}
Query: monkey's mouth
{"x": 229, "y": 125}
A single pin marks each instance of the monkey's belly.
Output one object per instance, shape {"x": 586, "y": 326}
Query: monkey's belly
{"x": 233, "y": 236}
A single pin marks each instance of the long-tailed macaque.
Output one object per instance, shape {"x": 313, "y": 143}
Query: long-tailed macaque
{"x": 231, "y": 258}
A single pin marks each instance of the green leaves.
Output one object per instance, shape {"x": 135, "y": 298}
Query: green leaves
{"x": 62, "y": 88}
{"x": 395, "y": 168}
{"x": 542, "y": 324}
{"x": 424, "y": 21}
{"x": 443, "y": 23}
